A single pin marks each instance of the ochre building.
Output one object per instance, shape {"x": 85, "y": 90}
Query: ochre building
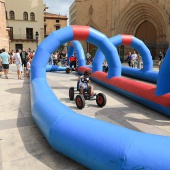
{"x": 53, "y": 22}
{"x": 148, "y": 20}
{"x": 4, "y": 39}
{"x": 25, "y": 21}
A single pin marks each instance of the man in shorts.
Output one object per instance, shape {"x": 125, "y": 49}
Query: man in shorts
{"x": 5, "y": 59}
{"x": 24, "y": 56}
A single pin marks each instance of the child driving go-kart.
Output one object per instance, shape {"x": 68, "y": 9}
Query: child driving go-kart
{"x": 83, "y": 84}
{"x": 85, "y": 91}
{"x": 73, "y": 64}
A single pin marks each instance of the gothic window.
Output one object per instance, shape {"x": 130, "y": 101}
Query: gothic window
{"x": 11, "y": 15}
{"x": 25, "y": 16}
{"x": 32, "y": 16}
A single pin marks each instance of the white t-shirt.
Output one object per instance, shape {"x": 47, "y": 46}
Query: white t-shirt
{"x": 17, "y": 58}
{"x": 88, "y": 55}
{"x": 134, "y": 56}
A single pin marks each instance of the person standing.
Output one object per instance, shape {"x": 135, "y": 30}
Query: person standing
{"x": 24, "y": 56}
{"x": 18, "y": 63}
{"x": 5, "y": 59}
{"x": 1, "y": 68}
{"x": 160, "y": 59}
{"x": 55, "y": 58}
{"x": 63, "y": 57}
{"x": 129, "y": 59}
{"x": 28, "y": 67}
{"x": 139, "y": 61}
{"x": 134, "y": 56}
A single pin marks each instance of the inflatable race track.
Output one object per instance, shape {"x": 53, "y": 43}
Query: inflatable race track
{"x": 93, "y": 143}
{"x": 146, "y": 73}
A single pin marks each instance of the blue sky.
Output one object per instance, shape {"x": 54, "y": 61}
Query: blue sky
{"x": 59, "y": 6}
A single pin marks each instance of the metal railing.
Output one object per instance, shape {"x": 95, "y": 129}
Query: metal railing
{"x": 21, "y": 37}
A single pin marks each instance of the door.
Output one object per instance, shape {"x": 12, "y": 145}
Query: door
{"x": 147, "y": 33}
{"x": 18, "y": 46}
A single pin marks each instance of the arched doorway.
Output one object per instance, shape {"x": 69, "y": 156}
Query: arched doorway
{"x": 146, "y": 21}
{"x": 147, "y": 33}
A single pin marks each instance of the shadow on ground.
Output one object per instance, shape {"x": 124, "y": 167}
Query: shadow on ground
{"x": 34, "y": 141}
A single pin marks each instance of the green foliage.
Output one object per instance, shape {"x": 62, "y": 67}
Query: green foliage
{"x": 93, "y": 52}
{"x": 60, "y": 48}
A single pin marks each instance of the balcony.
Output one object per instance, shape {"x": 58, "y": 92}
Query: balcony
{"x": 22, "y": 37}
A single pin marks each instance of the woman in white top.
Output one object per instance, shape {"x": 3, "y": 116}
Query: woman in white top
{"x": 55, "y": 55}
{"x": 18, "y": 63}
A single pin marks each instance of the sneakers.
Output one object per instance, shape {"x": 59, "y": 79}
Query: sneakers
{"x": 6, "y": 77}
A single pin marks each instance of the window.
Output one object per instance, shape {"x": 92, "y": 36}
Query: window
{"x": 32, "y": 16}
{"x": 10, "y": 32}
{"x": 57, "y": 27}
{"x": 29, "y": 33}
{"x": 11, "y": 15}
{"x": 25, "y": 16}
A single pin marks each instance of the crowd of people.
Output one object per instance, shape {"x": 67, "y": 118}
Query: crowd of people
{"x": 134, "y": 59}
{"x": 58, "y": 58}
{"x": 61, "y": 59}
{"x": 21, "y": 58}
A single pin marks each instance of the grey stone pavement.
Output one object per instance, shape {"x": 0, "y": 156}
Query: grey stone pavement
{"x": 22, "y": 145}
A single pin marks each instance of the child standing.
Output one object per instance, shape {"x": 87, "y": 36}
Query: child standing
{"x": 28, "y": 67}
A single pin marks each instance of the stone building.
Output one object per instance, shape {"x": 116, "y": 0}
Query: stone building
{"x": 148, "y": 20}
{"x": 4, "y": 39}
{"x": 53, "y": 22}
{"x": 25, "y": 20}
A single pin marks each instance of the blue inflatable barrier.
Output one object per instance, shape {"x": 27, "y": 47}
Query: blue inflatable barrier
{"x": 146, "y": 73}
{"x": 55, "y": 68}
{"x": 93, "y": 143}
{"x": 75, "y": 45}
{"x": 163, "y": 83}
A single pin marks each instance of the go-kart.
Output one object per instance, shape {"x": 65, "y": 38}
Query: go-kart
{"x": 80, "y": 99}
{"x": 72, "y": 67}
{"x": 69, "y": 69}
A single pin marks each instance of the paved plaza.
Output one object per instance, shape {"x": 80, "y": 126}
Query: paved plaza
{"x": 22, "y": 145}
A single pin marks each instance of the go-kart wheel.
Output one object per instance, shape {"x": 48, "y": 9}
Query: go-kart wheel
{"x": 80, "y": 101}
{"x": 68, "y": 70}
{"x": 101, "y": 99}
{"x": 71, "y": 93}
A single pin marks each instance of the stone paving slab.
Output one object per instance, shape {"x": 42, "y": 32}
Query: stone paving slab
{"x": 22, "y": 145}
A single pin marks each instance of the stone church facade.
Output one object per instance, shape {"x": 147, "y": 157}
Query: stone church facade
{"x": 148, "y": 20}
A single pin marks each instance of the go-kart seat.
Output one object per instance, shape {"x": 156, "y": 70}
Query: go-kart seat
{"x": 78, "y": 89}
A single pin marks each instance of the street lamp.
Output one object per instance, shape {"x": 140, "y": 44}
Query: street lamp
{"x": 36, "y": 36}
